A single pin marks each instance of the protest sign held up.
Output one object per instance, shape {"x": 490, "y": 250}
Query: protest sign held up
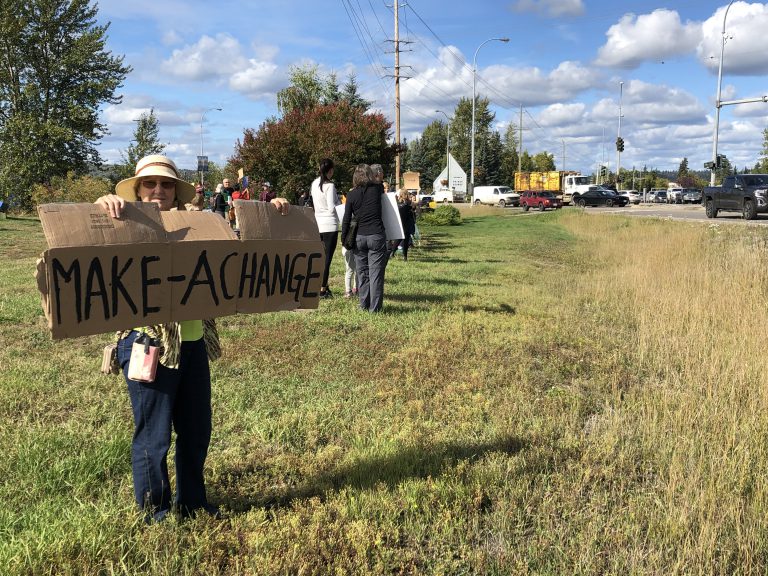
{"x": 101, "y": 274}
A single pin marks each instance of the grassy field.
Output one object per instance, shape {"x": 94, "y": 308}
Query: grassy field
{"x": 546, "y": 394}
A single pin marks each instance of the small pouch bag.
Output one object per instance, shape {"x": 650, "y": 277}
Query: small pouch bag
{"x": 145, "y": 353}
{"x": 108, "y": 359}
{"x": 350, "y": 240}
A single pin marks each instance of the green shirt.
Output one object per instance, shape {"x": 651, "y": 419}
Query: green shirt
{"x": 191, "y": 330}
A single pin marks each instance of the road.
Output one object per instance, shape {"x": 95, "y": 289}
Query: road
{"x": 686, "y": 212}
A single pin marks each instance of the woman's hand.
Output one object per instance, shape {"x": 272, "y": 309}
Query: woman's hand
{"x": 112, "y": 203}
{"x": 281, "y": 204}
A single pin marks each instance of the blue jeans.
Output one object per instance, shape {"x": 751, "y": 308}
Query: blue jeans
{"x": 180, "y": 399}
{"x": 371, "y": 257}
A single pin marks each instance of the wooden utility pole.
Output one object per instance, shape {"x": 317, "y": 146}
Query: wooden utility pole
{"x": 397, "y": 97}
{"x": 520, "y": 155}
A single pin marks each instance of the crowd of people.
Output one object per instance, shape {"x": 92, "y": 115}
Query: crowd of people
{"x": 177, "y": 398}
{"x": 364, "y": 261}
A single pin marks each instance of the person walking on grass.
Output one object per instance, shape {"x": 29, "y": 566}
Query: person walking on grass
{"x": 179, "y": 398}
{"x": 364, "y": 203}
{"x": 407, "y": 217}
{"x": 350, "y": 273}
{"x": 325, "y": 199}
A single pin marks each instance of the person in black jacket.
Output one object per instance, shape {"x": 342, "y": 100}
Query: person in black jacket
{"x": 364, "y": 202}
{"x": 408, "y": 219}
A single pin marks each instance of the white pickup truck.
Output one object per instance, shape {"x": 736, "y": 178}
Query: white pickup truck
{"x": 444, "y": 195}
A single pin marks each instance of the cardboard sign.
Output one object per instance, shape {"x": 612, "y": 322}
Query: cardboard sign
{"x": 101, "y": 274}
{"x": 390, "y": 214}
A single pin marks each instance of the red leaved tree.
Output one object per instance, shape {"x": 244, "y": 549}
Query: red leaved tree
{"x": 286, "y": 151}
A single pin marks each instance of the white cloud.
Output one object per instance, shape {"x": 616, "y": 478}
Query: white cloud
{"x": 752, "y": 110}
{"x": 562, "y": 114}
{"x": 221, "y": 61}
{"x": 257, "y": 79}
{"x": 747, "y": 44}
{"x": 655, "y": 36}
{"x": 210, "y": 59}
{"x": 532, "y": 86}
{"x": 552, "y": 8}
{"x": 434, "y": 86}
{"x": 171, "y": 37}
{"x": 651, "y": 104}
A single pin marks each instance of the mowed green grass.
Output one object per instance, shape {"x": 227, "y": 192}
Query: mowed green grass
{"x": 522, "y": 406}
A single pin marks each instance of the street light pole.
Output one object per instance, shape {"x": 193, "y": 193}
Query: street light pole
{"x": 618, "y": 152}
{"x": 202, "y": 116}
{"x": 474, "y": 91}
{"x": 447, "y": 150}
{"x": 717, "y": 99}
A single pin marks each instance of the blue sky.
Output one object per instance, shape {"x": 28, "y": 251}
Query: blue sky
{"x": 564, "y": 64}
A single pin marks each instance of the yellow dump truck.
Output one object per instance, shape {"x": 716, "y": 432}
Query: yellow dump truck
{"x": 562, "y": 183}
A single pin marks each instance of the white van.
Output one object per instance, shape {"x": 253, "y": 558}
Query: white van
{"x": 496, "y": 195}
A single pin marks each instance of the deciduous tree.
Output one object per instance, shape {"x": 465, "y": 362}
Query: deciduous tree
{"x": 544, "y": 162}
{"x": 287, "y": 151}
{"x": 56, "y": 73}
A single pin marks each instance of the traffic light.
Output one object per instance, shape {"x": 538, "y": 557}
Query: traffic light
{"x": 720, "y": 161}
{"x": 620, "y": 144}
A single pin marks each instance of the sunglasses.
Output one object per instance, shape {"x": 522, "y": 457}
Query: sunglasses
{"x": 165, "y": 184}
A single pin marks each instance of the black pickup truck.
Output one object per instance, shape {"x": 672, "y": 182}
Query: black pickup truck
{"x": 745, "y": 193}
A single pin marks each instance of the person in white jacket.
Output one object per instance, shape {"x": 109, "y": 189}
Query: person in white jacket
{"x": 325, "y": 200}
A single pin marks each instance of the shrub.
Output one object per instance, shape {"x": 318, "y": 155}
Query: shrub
{"x": 71, "y": 189}
{"x": 444, "y": 215}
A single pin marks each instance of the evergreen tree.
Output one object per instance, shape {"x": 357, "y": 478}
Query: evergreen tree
{"x": 763, "y": 164}
{"x": 682, "y": 171}
{"x": 493, "y": 151}
{"x": 509, "y": 157}
{"x": 526, "y": 162}
{"x": 145, "y": 142}
{"x": 56, "y": 75}
{"x": 433, "y": 142}
{"x": 331, "y": 93}
{"x": 351, "y": 96}
{"x": 461, "y": 130}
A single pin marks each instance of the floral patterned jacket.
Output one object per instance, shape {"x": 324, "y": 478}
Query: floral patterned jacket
{"x": 169, "y": 336}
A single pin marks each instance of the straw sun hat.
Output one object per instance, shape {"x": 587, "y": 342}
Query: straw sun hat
{"x": 156, "y": 165}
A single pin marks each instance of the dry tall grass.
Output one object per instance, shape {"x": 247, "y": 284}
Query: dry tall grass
{"x": 693, "y": 422}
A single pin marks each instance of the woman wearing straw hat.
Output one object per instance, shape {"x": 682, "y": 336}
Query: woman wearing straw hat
{"x": 179, "y": 398}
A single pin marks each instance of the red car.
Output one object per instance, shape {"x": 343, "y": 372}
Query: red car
{"x": 539, "y": 199}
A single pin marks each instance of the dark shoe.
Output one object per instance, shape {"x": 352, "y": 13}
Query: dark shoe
{"x": 326, "y": 294}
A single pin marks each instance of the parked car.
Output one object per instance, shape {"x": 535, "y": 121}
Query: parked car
{"x": 425, "y": 202}
{"x": 540, "y": 199}
{"x": 599, "y": 196}
{"x": 495, "y": 195}
{"x": 675, "y": 196}
{"x": 651, "y": 195}
{"x": 632, "y": 195}
{"x": 661, "y": 197}
{"x": 691, "y": 196}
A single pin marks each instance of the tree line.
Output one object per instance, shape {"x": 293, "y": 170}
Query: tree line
{"x": 57, "y": 74}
